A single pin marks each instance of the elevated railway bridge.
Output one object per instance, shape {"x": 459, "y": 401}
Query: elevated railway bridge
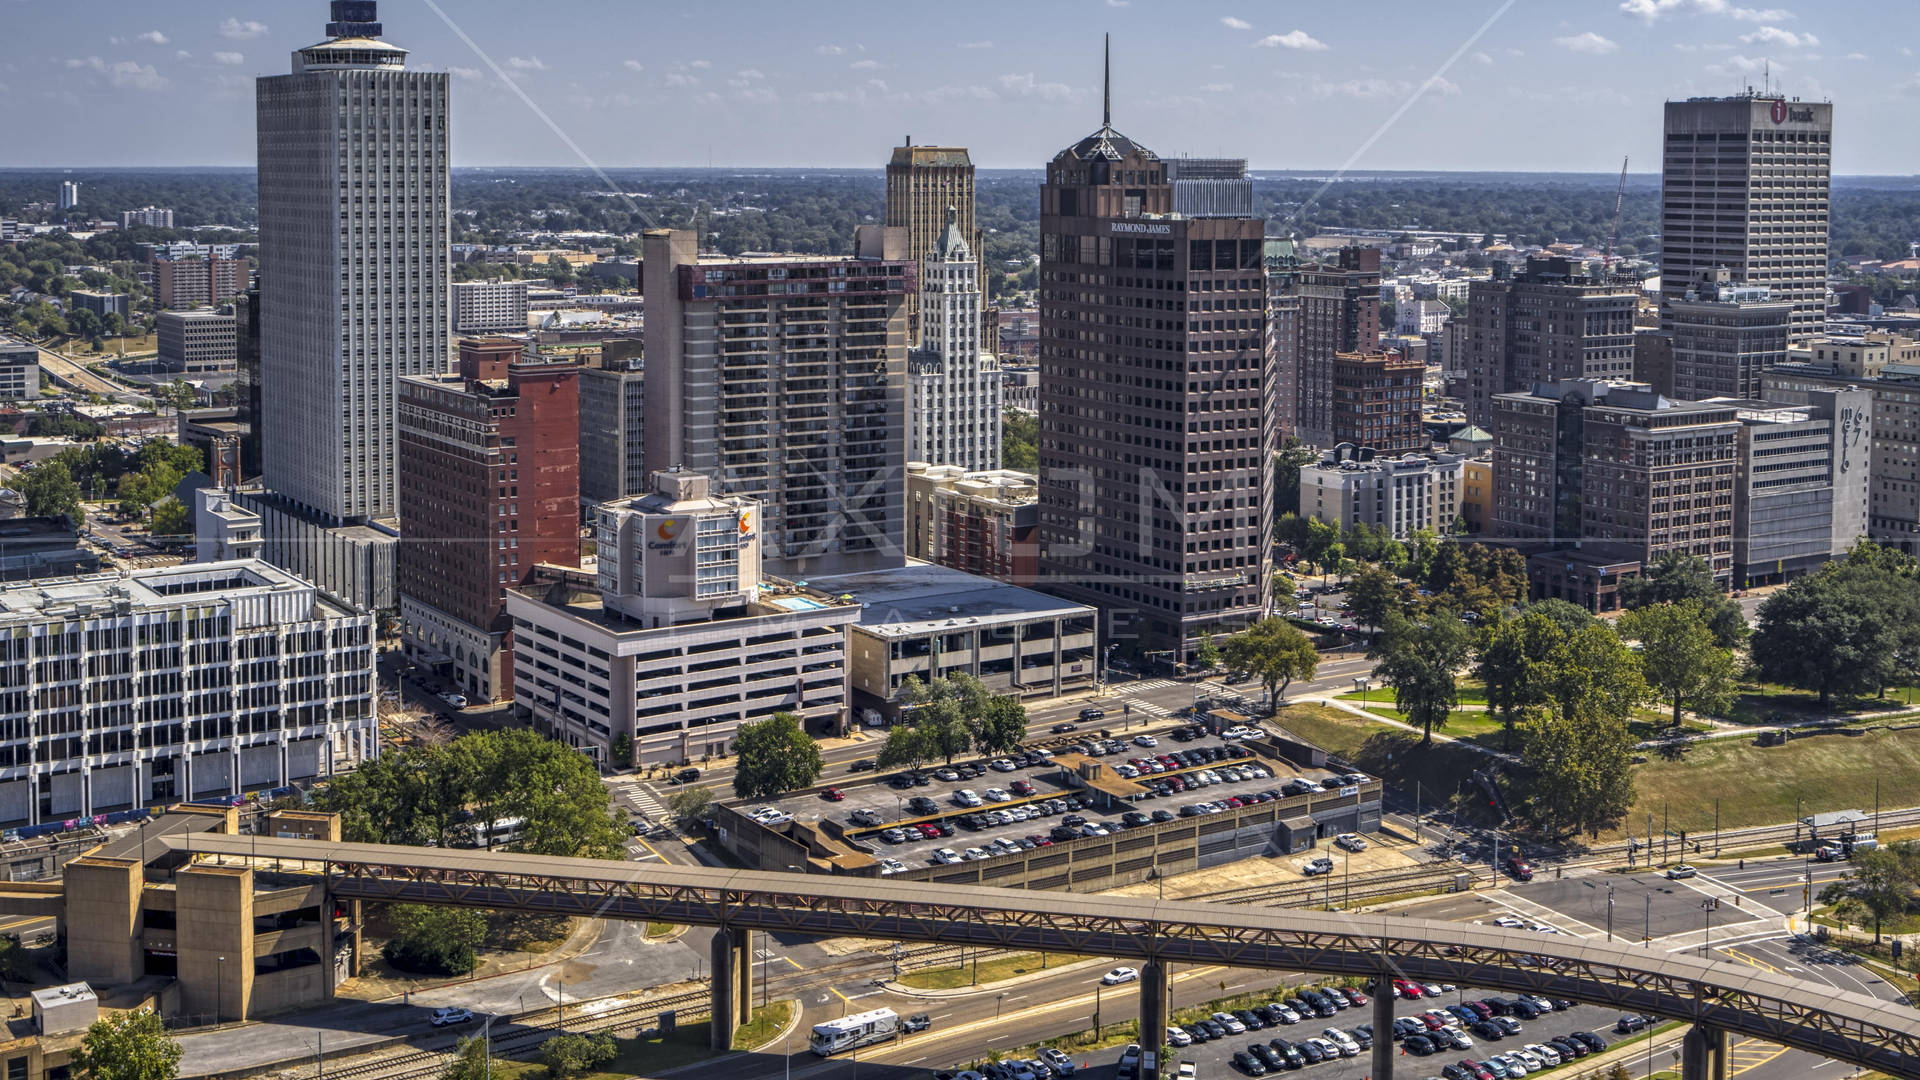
{"x": 1718, "y": 998}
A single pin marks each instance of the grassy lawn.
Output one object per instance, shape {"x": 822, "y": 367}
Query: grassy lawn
{"x": 1766, "y": 785}
{"x": 648, "y": 1057}
{"x": 1771, "y": 703}
{"x": 1468, "y": 692}
{"x": 661, "y": 930}
{"x": 994, "y": 970}
{"x": 1389, "y": 753}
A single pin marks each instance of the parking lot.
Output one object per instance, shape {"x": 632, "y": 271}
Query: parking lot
{"x": 1215, "y": 1056}
{"x": 1025, "y": 801}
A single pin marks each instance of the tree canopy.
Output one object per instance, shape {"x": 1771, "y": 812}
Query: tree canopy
{"x": 1682, "y": 662}
{"x": 1840, "y": 630}
{"x": 1677, "y": 577}
{"x": 773, "y": 756}
{"x": 127, "y": 1046}
{"x": 1274, "y": 651}
{"x": 1421, "y": 657}
{"x": 1576, "y": 745}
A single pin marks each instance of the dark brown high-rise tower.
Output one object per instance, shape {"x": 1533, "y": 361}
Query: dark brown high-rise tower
{"x": 1155, "y": 434}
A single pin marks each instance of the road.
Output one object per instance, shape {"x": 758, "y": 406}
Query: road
{"x": 76, "y": 375}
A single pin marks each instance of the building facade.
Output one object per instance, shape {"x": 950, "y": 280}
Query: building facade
{"x": 784, "y": 378}
{"x": 155, "y": 685}
{"x": 1283, "y": 333}
{"x": 1744, "y": 185}
{"x": 353, "y": 254}
{"x": 612, "y": 426}
{"x": 1547, "y": 323}
{"x": 953, "y": 382}
{"x": 195, "y": 278}
{"x": 147, "y": 217}
{"x": 489, "y": 488}
{"x": 19, "y": 370}
{"x": 1723, "y": 336}
{"x": 1801, "y": 490}
{"x": 1156, "y": 428}
{"x": 678, "y": 639}
{"x": 1376, "y": 402}
{"x": 984, "y": 523}
{"x": 923, "y": 184}
{"x": 486, "y": 307}
{"x": 1339, "y": 311}
{"x": 69, "y": 194}
{"x": 1616, "y": 472}
{"x": 200, "y": 342}
{"x": 102, "y": 304}
{"x": 1890, "y": 435}
{"x": 1400, "y": 495}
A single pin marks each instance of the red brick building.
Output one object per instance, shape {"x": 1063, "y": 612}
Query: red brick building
{"x": 1376, "y": 402}
{"x": 489, "y": 487}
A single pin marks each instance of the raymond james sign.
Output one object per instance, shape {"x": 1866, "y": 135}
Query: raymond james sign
{"x": 1141, "y": 227}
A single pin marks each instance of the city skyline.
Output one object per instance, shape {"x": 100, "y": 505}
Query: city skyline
{"x": 1501, "y": 87}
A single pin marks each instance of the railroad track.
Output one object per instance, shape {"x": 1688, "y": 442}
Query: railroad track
{"x": 1754, "y": 834}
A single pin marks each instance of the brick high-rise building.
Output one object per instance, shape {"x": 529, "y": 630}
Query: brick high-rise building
{"x": 1546, "y": 323}
{"x": 1156, "y": 432}
{"x": 923, "y": 182}
{"x": 490, "y": 486}
{"x": 1339, "y": 311}
{"x": 1376, "y": 402}
{"x": 196, "y": 280}
{"x": 784, "y": 378}
{"x": 1744, "y": 185}
{"x": 1723, "y": 336}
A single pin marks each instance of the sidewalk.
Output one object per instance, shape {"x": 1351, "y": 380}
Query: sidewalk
{"x": 1374, "y": 717}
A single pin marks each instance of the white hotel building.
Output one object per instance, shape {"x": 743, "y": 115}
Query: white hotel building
{"x": 120, "y": 691}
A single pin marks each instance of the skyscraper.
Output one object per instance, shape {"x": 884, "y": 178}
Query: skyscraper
{"x": 923, "y": 183}
{"x": 69, "y": 194}
{"x": 1551, "y": 321}
{"x": 353, "y": 251}
{"x": 1338, "y": 311}
{"x": 953, "y": 382}
{"x": 1744, "y": 185}
{"x": 784, "y": 378}
{"x": 1156, "y": 438}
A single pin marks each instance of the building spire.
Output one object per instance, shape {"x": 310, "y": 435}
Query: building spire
{"x": 1106, "y": 85}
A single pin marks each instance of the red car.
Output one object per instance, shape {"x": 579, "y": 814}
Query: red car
{"x": 1357, "y": 997}
{"x": 1479, "y": 1071}
{"x": 833, "y": 794}
{"x": 1433, "y": 1021}
{"x": 1406, "y": 989}
{"x": 1021, "y": 787}
{"x": 931, "y": 832}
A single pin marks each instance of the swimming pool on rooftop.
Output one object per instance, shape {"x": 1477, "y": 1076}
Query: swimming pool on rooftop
{"x": 798, "y": 603}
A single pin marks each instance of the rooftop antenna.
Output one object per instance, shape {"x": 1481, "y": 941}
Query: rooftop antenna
{"x": 1106, "y": 85}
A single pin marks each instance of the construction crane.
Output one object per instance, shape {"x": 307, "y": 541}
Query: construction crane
{"x": 1619, "y": 198}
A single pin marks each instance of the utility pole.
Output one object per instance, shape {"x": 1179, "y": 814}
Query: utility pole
{"x": 1646, "y": 933}
{"x": 1707, "y": 907}
{"x": 1416, "y": 813}
{"x": 1609, "y": 911}
{"x": 1716, "y": 824}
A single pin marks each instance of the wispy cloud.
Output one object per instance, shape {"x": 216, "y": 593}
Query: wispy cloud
{"x": 526, "y": 63}
{"x": 1651, "y": 10}
{"x": 153, "y": 37}
{"x": 1483, "y": 58}
{"x": 1026, "y": 86}
{"x": 1232, "y": 23}
{"x": 1217, "y": 88}
{"x": 122, "y": 73}
{"x": 976, "y": 45}
{"x": 1773, "y": 35}
{"x": 231, "y": 59}
{"x": 700, "y": 65}
{"x": 864, "y": 65}
{"x": 240, "y": 30}
{"x": 633, "y": 65}
{"x": 829, "y": 50}
{"x": 1742, "y": 65}
{"x": 1292, "y": 39}
{"x": 1587, "y": 42}
{"x": 466, "y": 73}
{"x": 1119, "y": 3}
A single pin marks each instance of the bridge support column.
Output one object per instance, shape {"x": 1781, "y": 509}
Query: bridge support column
{"x": 1703, "y": 1054}
{"x": 1383, "y": 1044}
{"x": 731, "y": 956}
{"x": 1156, "y": 987}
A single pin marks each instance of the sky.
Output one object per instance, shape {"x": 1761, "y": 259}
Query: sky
{"x": 1534, "y": 85}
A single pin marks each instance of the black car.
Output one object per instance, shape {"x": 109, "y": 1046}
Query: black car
{"x": 1062, "y": 729}
{"x": 1162, "y": 815}
{"x": 1455, "y": 1072}
{"x": 1133, "y": 819}
{"x": 1363, "y": 1034}
{"x": 1312, "y": 1053}
{"x": 1091, "y": 715}
{"x": 687, "y": 776}
{"x": 1406, "y": 1025}
{"x": 1196, "y": 1032}
{"x": 1215, "y": 1030}
{"x": 865, "y": 764}
{"x": 900, "y": 780}
{"x": 1526, "y": 1010}
{"x": 1500, "y": 1006}
{"x": 1570, "y": 1048}
{"x": 1419, "y": 1045}
{"x": 1064, "y": 832}
{"x": 1489, "y": 1030}
{"x": 1290, "y": 1054}
{"x": 1594, "y": 1042}
{"x": 1249, "y": 1018}
{"x": 920, "y": 804}
{"x": 1248, "y": 1064}
{"x": 1630, "y": 1023}
{"x": 1300, "y": 1005}
{"x": 1268, "y": 1056}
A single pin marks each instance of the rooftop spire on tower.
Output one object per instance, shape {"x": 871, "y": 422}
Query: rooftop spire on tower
{"x": 1106, "y": 84}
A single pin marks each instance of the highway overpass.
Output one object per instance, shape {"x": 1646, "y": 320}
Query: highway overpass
{"x": 1717, "y": 997}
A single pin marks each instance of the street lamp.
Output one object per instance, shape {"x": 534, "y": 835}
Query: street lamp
{"x": 1707, "y": 908}
{"x": 1609, "y": 911}
{"x": 219, "y": 976}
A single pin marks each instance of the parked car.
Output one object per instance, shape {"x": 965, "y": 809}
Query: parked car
{"x": 1519, "y": 868}
{"x": 1321, "y": 865}
{"x": 450, "y": 1015}
{"x": 916, "y": 1022}
{"x": 833, "y": 794}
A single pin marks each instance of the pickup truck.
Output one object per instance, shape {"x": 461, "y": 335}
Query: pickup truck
{"x": 1187, "y": 1071}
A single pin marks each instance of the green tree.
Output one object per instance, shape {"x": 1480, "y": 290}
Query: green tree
{"x": 127, "y": 1046}
{"x": 1020, "y": 440}
{"x": 1676, "y": 577}
{"x": 1375, "y": 594}
{"x": 908, "y": 746}
{"x": 690, "y": 804}
{"x": 1333, "y": 560}
{"x": 773, "y": 756}
{"x": 945, "y": 710}
{"x": 434, "y": 940}
{"x": 85, "y": 324}
{"x": 1206, "y": 655}
{"x": 1421, "y": 659}
{"x": 469, "y": 1061}
{"x": 571, "y": 1055}
{"x": 1577, "y": 748}
{"x": 171, "y": 518}
{"x": 1511, "y": 662}
{"x": 623, "y": 750}
{"x": 1831, "y": 632}
{"x": 1293, "y": 456}
{"x": 179, "y": 393}
{"x": 48, "y": 489}
{"x": 1001, "y": 726}
{"x": 1881, "y": 882}
{"x": 1274, "y": 651}
{"x": 1571, "y": 618}
{"x": 1679, "y": 658}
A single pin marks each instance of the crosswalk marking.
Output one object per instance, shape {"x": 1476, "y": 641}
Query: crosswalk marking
{"x": 1150, "y": 708}
{"x": 1137, "y": 687}
{"x": 648, "y": 804}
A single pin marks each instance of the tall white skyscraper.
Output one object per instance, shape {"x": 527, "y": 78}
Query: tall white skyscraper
{"x": 69, "y": 194}
{"x": 953, "y": 388}
{"x": 354, "y": 288}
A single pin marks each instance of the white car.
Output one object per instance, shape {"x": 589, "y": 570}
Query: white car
{"x": 1329, "y": 1048}
{"x": 1528, "y": 1058}
{"x": 1057, "y": 1060}
{"x": 967, "y": 797}
{"x": 1120, "y": 975}
{"x": 1432, "y": 989}
{"x": 891, "y": 866}
{"x": 974, "y": 854}
{"x": 1349, "y": 1047}
{"x": 458, "y": 701}
{"x": 1230, "y": 1022}
{"x": 1515, "y": 1066}
{"x": 1548, "y": 1055}
{"x": 946, "y": 856}
{"x": 1125, "y": 771}
{"x": 1146, "y": 740}
{"x": 1094, "y": 828}
{"x": 1002, "y": 765}
{"x": 449, "y": 1015}
{"x": 1003, "y": 846}
{"x": 1509, "y": 922}
{"x": 1284, "y": 1012}
{"x": 1351, "y": 841}
{"x": 1178, "y": 1037}
{"x": 995, "y": 794}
